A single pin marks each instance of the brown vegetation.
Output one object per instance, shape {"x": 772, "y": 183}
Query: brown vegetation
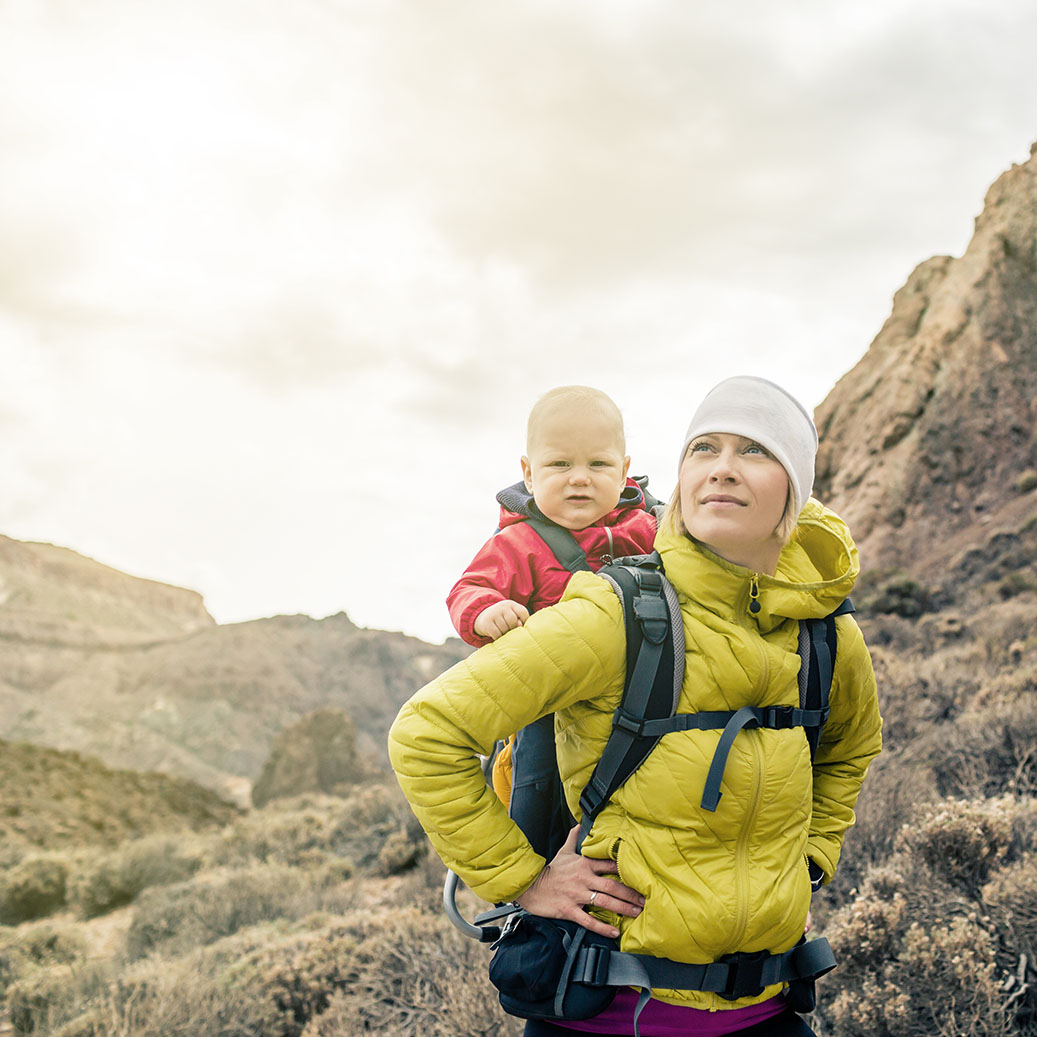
{"x": 317, "y": 917}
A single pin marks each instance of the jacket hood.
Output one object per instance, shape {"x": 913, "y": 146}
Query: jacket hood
{"x": 517, "y": 504}
{"x": 816, "y": 571}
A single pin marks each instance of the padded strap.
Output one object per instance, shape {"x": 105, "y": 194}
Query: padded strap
{"x": 652, "y": 615}
{"x": 562, "y": 543}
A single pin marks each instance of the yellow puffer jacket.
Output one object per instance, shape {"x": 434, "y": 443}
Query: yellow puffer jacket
{"x": 715, "y": 882}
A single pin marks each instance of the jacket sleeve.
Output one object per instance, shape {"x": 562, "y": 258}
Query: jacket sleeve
{"x": 851, "y": 739}
{"x": 501, "y": 571}
{"x": 565, "y": 654}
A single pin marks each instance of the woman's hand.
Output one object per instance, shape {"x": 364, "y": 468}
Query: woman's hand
{"x": 571, "y": 882}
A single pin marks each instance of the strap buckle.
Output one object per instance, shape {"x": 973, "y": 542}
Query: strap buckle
{"x": 744, "y": 974}
{"x": 779, "y": 717}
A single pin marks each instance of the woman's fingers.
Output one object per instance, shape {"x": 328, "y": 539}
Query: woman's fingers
{"x": 571, "y": 883}
{"x": 616, "y": 904}
{"x": 613, "y": 895}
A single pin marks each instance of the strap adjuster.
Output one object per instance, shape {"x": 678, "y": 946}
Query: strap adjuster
{"x": 653, "y": 616}
{"x": 594, "y": 966}
{"x": 630, "y": 722}
{"x": 744, "y": 975}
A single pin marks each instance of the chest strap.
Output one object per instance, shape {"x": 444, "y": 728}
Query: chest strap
{"x": 772, "y": 717}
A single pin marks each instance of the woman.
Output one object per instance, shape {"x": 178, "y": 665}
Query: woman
{"x": 749, "y": 554}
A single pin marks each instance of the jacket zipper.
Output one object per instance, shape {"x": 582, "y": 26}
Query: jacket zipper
{"x": 606, "y": 558}
{"x": 741, "y": 858}
{"x": 754, "y": 593}
{"x": 742, "y": 877}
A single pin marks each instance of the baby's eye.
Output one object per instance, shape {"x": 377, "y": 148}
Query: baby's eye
{"x": 600, "y": 464}
{"x": 559, "y": 464}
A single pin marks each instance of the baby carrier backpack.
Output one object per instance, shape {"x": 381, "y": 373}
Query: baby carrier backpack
{"x": 581, "y": 977}
{"x": 525, "y": 768}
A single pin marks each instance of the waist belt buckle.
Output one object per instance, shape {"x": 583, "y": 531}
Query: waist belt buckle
{"x": 744, "y": 975}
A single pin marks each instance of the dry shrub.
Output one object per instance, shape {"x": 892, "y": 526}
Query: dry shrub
{"x": 926, "y": 948}
{"x": 416, "y": 977}
{"x": 192, "y": 914}
{"x": 311, "y": 830}
{"x": 989, "y": 750}
{"x": 1011, "y": 899}
{"x": 399, "y": 853}
{"x": 34, "y": 888}
{"x": 26, "y": 949}
{"x": 387, "y": 971}
{"x": 45, "y": 998}
{"x": 1011, "y": 896}
{"x": 263, "y": 981}
{"x": 895, "y": 789}
{"x": 118, "y": 878}
{"x": 892, "y": 592}
{"x": 960, "y": 842}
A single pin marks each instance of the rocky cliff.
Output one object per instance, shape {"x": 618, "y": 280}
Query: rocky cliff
{"x": 928, "y": 444}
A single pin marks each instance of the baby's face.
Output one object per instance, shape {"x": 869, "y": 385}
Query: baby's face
{"x": 576, "y": 467}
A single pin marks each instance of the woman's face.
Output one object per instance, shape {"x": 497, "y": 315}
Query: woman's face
{"x": 733, "y": 495}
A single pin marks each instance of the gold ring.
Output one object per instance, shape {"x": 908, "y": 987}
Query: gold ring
{"x": 594, "y": 893}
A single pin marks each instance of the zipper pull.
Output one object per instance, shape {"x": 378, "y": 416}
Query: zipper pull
{"x": 754, "y": 594}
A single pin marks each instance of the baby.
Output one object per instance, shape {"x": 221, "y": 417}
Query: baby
{"x": 574, "y": 474}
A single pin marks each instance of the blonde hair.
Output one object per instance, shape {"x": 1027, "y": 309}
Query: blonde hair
{"x": 673, "y": 517}
{"x": 564, "y": 396}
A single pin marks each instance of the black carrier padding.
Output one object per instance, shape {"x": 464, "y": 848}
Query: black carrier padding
{"x": 537, "y": 803}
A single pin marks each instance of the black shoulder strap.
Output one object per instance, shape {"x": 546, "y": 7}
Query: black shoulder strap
{"x": 655, "y": 673}
{"x": 562, "y": 543}
{"x": 817, "y": 648}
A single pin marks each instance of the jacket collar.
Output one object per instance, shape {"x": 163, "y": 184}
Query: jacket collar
{"x": 517, "y": 504}
{"x": 816, "y": 571}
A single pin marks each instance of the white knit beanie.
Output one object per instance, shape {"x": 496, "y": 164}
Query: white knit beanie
{"x": 764, "y": 412}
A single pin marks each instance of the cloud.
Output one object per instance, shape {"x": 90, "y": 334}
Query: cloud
{"x": 279, "y": 287}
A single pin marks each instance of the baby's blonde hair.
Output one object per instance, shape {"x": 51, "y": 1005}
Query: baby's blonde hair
{"x": 566, "y": 396}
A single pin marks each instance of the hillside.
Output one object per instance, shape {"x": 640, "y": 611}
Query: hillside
{"x": 137, "y": 674}
{"x": 54, "y": 800}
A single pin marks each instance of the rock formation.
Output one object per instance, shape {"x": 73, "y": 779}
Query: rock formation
{"x": 315, "y": 754}
{"x": 928, "y": 444}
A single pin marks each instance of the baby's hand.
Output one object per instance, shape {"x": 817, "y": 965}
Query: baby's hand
{"x": 499, "y": 618}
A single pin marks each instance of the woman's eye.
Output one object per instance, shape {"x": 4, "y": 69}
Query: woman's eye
{"x": 755, "y": 448}
{"x": 699, "y": 448}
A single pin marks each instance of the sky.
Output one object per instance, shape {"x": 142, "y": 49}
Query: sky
{"x": 280, "y": 282}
